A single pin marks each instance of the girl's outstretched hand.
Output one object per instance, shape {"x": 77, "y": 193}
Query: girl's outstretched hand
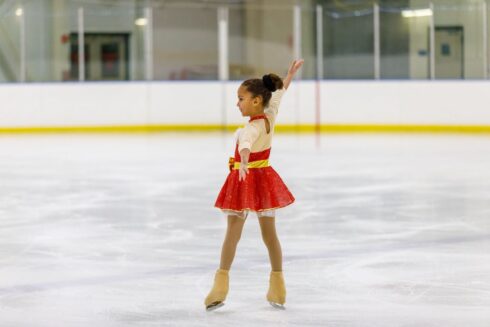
{"x": 295, "y": 66}
{"x": 242, "y": 172}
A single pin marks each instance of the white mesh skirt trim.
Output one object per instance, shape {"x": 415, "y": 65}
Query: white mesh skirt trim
{"x": 244, "y": 214}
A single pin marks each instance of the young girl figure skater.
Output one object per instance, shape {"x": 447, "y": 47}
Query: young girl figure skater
{"x": 252, "y": 185}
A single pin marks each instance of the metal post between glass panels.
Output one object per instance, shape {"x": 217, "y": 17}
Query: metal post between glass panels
{"x": 223, "y": 71}
{"x": 377, "y": 52}
{"x": 223, "y": 59}
{"x": 319, "y": 42}
{"x": 319, "y": 66}
{"x": 22, "y": 73}
{"x": 297, "y": 52}
{"x": 485, "y": 39}
{"x": 81, "y": 47}
{"x": 297, "y": 34}
{"x": 432, "y": 44}
{"x": 149, "y": 44}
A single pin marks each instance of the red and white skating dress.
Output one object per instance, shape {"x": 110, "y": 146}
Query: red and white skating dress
{"x": 263, "y": 189}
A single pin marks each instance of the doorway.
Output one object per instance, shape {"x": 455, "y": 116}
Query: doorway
{"x": 106, "y": 56}
{"x": 449, "y": 52}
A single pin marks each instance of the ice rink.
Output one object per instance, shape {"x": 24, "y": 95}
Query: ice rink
{"x": 120, "y": 230}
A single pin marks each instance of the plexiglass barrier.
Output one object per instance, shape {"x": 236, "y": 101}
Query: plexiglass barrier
{"x": 56, "y": 41}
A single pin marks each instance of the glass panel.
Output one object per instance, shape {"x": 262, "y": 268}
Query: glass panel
{"x": 237, "y": 68}
{"x": 48, "y": 40}
{"x": 261, "y": 40}
{"x": 185, "y": 39}
{"x": 137, "y": 39}
{"x": 108, "y": 35}
{"x": 185, "y": 42}
{"x": 395, "y": 43}
{"x": 417, "y": 18}
{"x": 10, "y": 43}
{"x": 348, "y": 41}
{"x": 308, "y": 42}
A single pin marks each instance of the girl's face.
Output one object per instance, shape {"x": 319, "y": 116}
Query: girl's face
{"x": 247, "y": 104}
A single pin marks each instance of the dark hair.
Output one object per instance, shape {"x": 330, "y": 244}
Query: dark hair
{"x": 263, "y": 87}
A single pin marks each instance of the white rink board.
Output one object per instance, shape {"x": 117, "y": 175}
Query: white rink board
{"x": 214, "y": 103}
{"x": 410, "y": 102}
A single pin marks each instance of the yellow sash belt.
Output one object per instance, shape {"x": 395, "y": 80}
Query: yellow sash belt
{"x": 253, "y": 164}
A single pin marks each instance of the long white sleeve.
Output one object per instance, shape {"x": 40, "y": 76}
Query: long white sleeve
{"x": 247, "y": 137}
{"x": 273, "y": 107}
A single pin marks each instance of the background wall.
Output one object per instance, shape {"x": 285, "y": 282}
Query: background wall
{"x": 468, "y": 14}
{"x": 185, "y": 37}
{"x": 214, "y": 103}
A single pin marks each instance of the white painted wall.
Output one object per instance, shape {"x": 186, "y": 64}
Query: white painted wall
{"x": 161, "y": 103}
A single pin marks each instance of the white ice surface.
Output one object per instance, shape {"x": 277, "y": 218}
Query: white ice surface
{"x": 120, "y": 230}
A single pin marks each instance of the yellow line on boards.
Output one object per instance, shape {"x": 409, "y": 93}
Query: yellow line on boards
{"x": 119, "y": 129}
{"x": 383, "y": 128}
{"x": 326, "y": 128}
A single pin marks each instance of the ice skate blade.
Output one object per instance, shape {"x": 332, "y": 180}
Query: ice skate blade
{"x": 214, "y": 306}
{"x": 277, "y": 305}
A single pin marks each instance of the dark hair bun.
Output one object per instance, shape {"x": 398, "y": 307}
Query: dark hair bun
{"x": 269, "y": 84}
{"x": 263, "y": 87}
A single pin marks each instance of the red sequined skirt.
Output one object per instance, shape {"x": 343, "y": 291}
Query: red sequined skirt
{"x": 262, "y": 189}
